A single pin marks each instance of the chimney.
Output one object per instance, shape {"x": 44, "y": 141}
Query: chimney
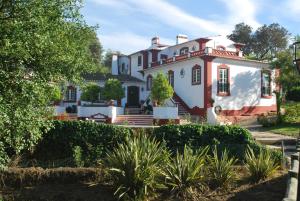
{"x": 181, "y": 39}
{"x": 155, "y": 41}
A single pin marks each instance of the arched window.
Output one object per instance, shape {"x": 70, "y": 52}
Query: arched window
{"x": 149, "y": 82}
{"x": 184, "y": 50}
{"x": 70, "y": 95}
{"x": 171, "y": 77}
{"x": 196, "y": 75}
{"x": 266, "y": 84}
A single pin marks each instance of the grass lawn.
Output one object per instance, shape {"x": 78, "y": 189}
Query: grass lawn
{"x": 291, "y": 129}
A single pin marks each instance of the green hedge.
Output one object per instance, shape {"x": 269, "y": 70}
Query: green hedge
{"x": 82, "y": 142}
{"x": 235, "y": 139}
{"x": 93, "y": 139}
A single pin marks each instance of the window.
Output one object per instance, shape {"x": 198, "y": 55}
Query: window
{"x": 171, "y": 78}
{"x": 163, "y": 56}
{"x": 266, "y": 84}
{"x": 196, "y": 75}
{"x": 184, "y": 50}
{"x": 220, "y": 47}
{"x": 223, "y": 81}
{"x": 70, "y": 95}
{"x": 139, "y": 60}
{"x": 149, "y": 82}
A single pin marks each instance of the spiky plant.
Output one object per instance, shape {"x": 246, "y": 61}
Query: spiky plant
{"x": 261, "y": 165}
{"x": 220, "y": 169}
{"x": 136, "y": 166}
{"x": 184, "y": 172}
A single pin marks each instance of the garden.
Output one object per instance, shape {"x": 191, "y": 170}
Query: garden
{"x": 79, "y": 160}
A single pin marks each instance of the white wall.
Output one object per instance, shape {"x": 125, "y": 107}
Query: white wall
{"x": 110, "y": 111}
{"x": 134, "y": 66}
{"x": 170, "y": 51}
{"x": 114, "y": 64}
{"x": 245, "y": 85}
{"x": 165, "y": 112}
{"x": 192, "y": 95}
{"x": 222, "y": 41}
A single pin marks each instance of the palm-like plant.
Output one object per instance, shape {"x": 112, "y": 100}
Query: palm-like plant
{"x": 184, "y": 172}
{"x": 136, "y": 166}
{"x": 260, "y": 166}
{"x": 220, "y": 169}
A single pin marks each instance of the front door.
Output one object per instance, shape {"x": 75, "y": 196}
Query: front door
{"x": 133, "y": 96}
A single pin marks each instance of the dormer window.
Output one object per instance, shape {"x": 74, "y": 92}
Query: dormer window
{"x": 184, "y": 50}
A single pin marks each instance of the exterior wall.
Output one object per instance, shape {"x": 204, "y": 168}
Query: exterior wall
{"x": 114, "y": 64}
{"x": 125, "y": 60}
{"x": 221, "y": 41}
{"x": 170, "y": 51}
{"x": 192, "y": 95}
{"x": 245, "y": 86}
{"x": 134, "y": 66}
{"x": 165, "y": 112}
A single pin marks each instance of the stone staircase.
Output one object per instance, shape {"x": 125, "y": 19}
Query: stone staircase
{"x": 136, "y": 120}
{"x": 183, "y": 109}
{"x": 132, "y": 110}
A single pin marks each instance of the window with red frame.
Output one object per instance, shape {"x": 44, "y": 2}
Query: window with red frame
{"x": 171, "y": 78}
{"x": 223, "y": 81}
{"x": 266, "y": 83}
{"x": 196, "y": 75}
{"x": 149, "y": 82}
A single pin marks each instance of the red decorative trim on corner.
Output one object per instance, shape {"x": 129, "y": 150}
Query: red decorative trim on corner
{"x": 198, "y": 111}
{"x": 145, "y": 59}
{"x": 207, "y": 81}
{"x": 249, "y": 110}
{"x": 202, "y": 42}
{"x": 154, "y": 55}
{"x": 178, "y": 99}
{"x": 223, "y": 66}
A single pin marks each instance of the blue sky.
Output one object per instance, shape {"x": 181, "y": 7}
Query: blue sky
{"x": 129, "y": 25}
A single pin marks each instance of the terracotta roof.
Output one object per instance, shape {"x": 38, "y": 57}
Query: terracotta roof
{"x": 103, "y": 77}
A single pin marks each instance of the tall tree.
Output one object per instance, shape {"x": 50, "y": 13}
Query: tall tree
{"x": 41, "y": 42}
{"x": 96, "y": 49}
{"x": 242, "y": 34}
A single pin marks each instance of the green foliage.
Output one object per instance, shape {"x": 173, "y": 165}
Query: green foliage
{"x": 41, "y": 42}
{"x": 293, "y": 94}
{"x": 136, "y": 166}
{"x": 77, "y": 156}
{"x": 235, "y": 139}
{"x": 161, "y": 89}
{"x": 55, "y": 93}
{"x": 4, "y": 159}
{"x": 261, "y": 165}
{"x": 113, "y": 90}
{"x": 267, "y": 121}
{"x": 292, "y": 112}
{"x": 90, "y": 93}
{"x": 220, "y": 169}
{"x": 94, "y": 139}
{"x": 185, "y": 172}
{"x": 262, "y": 44}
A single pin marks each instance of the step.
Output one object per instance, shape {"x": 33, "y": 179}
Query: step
{"x": 288, "y": 148}
{"x": 275, "y": 141}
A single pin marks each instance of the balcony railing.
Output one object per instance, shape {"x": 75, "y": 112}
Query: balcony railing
{"x": 206, "y": 51}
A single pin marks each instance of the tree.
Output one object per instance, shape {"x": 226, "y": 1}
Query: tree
{"x": 108, "y": 58}
{"x": 264, "y": 43}
{"x": 91, "y": 93}
{"x": 113, "y": 90}
{"x": 161, "y": 89}
{"x": 41, "y": 42}
{"x": 242, "y": 34}
{"x": 96, "y": 49}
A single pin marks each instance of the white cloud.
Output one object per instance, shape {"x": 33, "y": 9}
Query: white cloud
{"x": 242, "y": 11}
{"x": 128, "y": 42}
{"x": 293, "y": 8}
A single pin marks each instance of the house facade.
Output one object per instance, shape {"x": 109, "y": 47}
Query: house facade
{"x": 204, "y": 72}
{"x": 208, "y": 75}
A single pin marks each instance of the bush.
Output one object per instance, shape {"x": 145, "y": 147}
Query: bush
{"x": 267, "y": 121}
{"x": 293, "y": 94}
{"x": 261, "y": 165}
{"x": 90, "y": 93}
{"x": 4, "y": 159}
{"x": 292, "y": 113}
{"x": 184, "y": 173}
{"x": 221, "y": 169}
{"x": 235, "y": 139}
{"x": 135, "y": 167}
{"x": 161, "y": 89}
{"x": 94, "y": 139}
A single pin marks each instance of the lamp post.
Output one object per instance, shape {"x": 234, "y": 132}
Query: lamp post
{"x": 297, "y": 55}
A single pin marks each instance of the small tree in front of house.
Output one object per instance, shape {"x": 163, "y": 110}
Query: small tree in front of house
{"x": 90, "y": 93}
{"x": 113, "y": 90}
{"x": 161, "y": 89}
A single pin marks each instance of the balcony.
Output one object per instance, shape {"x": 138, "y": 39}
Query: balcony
{"x": 206, "y": 51}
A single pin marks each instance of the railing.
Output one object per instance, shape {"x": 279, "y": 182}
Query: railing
{"x": 292, "y": 184}
{"x": 206, "y": 51}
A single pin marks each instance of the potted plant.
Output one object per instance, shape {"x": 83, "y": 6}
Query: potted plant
{"x": 161, "y": 90}
{"x": 113, "y": 90}
{"x": 90, "y": 93}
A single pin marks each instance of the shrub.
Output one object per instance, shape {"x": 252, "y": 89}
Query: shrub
{"x": 161, "y": 89}
{"x": 90, "y": 93}
{"x": 267, "y": 121}
{"x": 4, "y": 159}
{"x": 221, "y": 169}
{"x": 135, "y": 167}
{"x": 235, "y": 139}
{"x": 261, "y": 165}
{"x": 113, "y": 90}
{"x": 77, "y": 156}
{"x": 184, "y": 172}
{"x": 292, "y": 114}
{"x": 94, "y": 139}
{"x": 293, "y": 94}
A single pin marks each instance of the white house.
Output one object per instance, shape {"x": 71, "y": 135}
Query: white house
{"x": 206, "y": 73}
